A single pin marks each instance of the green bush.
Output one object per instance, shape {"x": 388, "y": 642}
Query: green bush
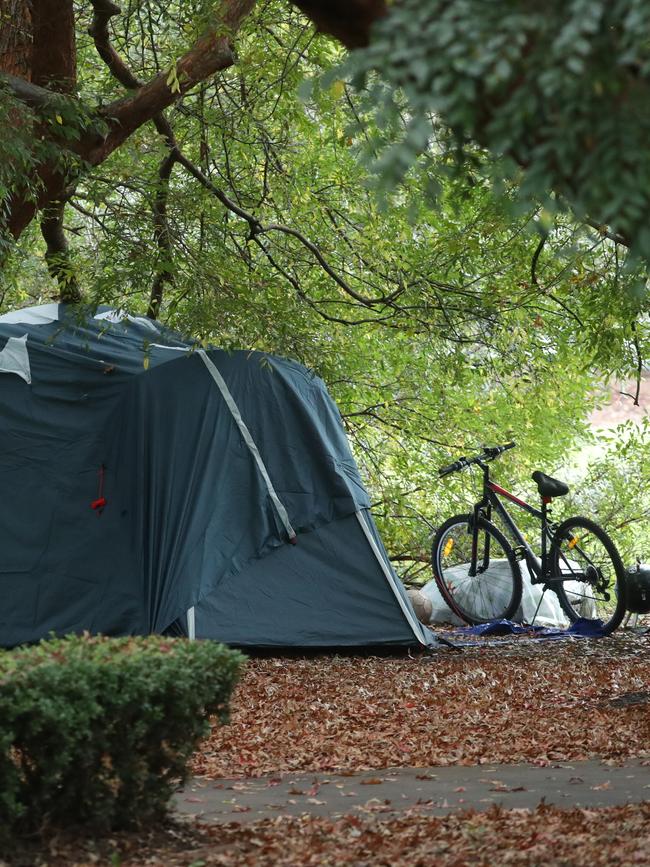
{"x": 98, "y": 731}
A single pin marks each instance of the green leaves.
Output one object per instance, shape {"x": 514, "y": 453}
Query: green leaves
{"x": 563, "y": 91}
{"x": 463, "y": 341}
{"x": 98, "y": 731}
{"x": 172, "y": 80}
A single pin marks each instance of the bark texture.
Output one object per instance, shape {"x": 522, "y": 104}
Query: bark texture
{"x": 16, "y": 37}
{"x": 54, "y": 55}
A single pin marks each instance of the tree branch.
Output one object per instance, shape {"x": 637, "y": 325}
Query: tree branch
{"x": 605, "y": 233}
{"x": 57, "y": 255}
{"x": 544, "y": 290}
{"x": 639, "y": 367}
{"x": 211, "y": 53}
{"x": 257, "y": 228}
{"x": 103, "y": 11}
{"x": 42, "y": 100}
{"x": 161, "y": 236}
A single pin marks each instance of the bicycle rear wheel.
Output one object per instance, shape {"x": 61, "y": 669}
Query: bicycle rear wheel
{"x": 592, "y": 573}
{"x": 494, "y": 593}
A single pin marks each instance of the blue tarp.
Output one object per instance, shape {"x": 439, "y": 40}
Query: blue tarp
{"x": 581, "y": 628}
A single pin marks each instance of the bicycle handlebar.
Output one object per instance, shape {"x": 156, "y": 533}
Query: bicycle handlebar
{"x": 489, "y": 453}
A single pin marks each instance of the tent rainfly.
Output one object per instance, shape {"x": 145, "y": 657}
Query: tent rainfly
{"x": 151, "y": 485}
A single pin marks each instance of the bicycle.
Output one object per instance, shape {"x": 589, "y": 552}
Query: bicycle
{"x": 477, "y": 569}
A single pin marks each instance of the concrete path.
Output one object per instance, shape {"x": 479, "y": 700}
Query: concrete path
{"x": 432, "y": 791}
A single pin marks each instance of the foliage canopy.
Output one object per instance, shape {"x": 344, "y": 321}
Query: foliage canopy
{"x": 439, "y": 322}
{"x": 559, "y": 94}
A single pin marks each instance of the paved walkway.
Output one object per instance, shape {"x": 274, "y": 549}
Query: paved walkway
{"x": 425, "y": 791}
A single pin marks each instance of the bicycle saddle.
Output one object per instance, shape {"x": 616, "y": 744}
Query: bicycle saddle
{"x": 548, "y": 486}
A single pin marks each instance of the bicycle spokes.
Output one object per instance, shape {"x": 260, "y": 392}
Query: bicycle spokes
{"x": 588, "y": 575}
{"x": 474, "y": 568}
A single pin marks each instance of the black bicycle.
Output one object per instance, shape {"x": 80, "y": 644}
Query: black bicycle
{"x": 477, "y": 569}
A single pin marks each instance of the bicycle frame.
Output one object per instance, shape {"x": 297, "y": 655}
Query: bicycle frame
{"x": 539, "y": 568}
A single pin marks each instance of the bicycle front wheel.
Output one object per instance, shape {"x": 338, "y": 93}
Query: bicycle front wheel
{"x": 494, "y": 592}
{"x": 591, "y": 574}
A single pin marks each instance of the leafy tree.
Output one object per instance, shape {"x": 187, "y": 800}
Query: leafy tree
{"x": 245, "y": 215}
{"x": 558, "y": 94}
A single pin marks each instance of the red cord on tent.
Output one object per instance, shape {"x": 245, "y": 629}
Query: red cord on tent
{"x": 100, "y": 502}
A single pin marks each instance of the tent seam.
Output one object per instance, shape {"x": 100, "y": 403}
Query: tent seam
{"x": 250, "y": 442}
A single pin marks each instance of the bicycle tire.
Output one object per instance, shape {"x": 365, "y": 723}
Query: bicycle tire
{"x": 490, "y": 595}
{"x": 582, "y": 548}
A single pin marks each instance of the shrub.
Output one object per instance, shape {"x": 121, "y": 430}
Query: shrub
{"x": 99, "y": 731}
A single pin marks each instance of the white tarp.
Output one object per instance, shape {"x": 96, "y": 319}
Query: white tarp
{"x": 548, "y": 614}
{"x": 14, "y": 358}
{"x": 41, "y": 315}
{"x": 121, "y": 315}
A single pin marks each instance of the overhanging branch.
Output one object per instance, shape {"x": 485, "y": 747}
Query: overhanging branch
{"x": 210, "y": 54}
{"x": 257, "y": 228}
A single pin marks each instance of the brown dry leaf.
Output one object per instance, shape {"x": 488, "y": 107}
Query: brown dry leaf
{"x": 547, "y": 836}
{"x": 543, "y": 702}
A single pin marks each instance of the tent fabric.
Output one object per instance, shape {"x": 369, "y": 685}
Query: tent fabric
{"x": 131, "y": 494}
{"x": 14, "y": 358}
{"x": 309, "y": 593}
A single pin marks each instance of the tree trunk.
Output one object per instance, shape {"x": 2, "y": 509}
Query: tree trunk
{"x": 16, "y": 37}
{"x": 54, "y": 55}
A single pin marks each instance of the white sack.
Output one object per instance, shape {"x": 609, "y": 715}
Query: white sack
{"x": 549, "y": 614}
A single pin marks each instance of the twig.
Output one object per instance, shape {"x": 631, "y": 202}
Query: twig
{"x": 257, "y": 228}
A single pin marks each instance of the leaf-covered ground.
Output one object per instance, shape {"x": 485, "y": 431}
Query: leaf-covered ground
{"x": 548, "y": 836}
{"x": 525, "y": 701}
{"x": 510, "y": 702}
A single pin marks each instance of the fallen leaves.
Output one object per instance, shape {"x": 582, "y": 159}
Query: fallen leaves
{"x": 544, "y": 703}
{"x": 547, "y": 835}
{"x": 540, "y": 702}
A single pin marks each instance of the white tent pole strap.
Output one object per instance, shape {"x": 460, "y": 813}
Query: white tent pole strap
{"x": 248, "y": 439}
{"x": 390, "y": 577}
{"x": 191, "y": 624}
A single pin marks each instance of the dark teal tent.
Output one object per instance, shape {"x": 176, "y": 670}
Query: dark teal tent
{"x": 151, "y": 485}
